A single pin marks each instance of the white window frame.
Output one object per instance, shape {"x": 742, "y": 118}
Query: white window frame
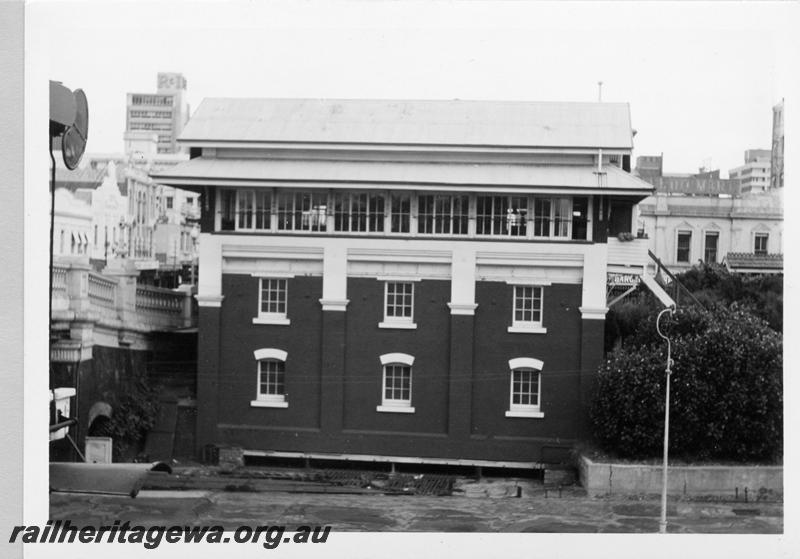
{"x": 527, "y": 326}
{"x": 678, "y": 234}
{"x": 396, "y": 405}
{"x": 449, "y": 216}
{"x": 399, "y": 322}
{"x": 376, "y": 216}
{"x": 525, "y": 365}
{"x": 297, "y": 200}
{"x": 505, "y": 217}
{"x": 247, "y": 201}
{"x": 275, "y": 318}
{"x": 706, "y": 234}
{"x": 269, "y": 355}
{"x": 756, "y": 236}
{"x": 556, "y": 203}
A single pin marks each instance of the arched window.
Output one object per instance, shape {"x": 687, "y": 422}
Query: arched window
{"x": 396, "y": 385}
{"x": 271, "y": 378}
{"x": 525, "y": 397}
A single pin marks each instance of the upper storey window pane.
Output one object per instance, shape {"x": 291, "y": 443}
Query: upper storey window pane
{"x": 253, "y": 209}
{"x": 359, "y": 212}
{"x": 302, "y": 211}
{"x": 443, "y": 214}
{"x": 401, "y": 212}
{"x": 552, "y": 217}
{"x": 502, "y": 215}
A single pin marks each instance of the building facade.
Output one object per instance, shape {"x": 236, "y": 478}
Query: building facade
{"x": 776, "y": 174}
{"x": 72, "y": 225}
{"x": 685, "y": 230}
{"x": 163, "y": 113}
{"x": 754, "y": 175}
{"x": 408, "y": 281}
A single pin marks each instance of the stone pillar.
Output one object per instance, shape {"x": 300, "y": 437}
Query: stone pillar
{"x": 126, "y": 274}
{"x": 78, "y": 286}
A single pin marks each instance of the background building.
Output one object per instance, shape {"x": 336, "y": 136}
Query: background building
{"x": 703, "y": 183}
{"x": 754, "y": 175}
{"x": 415, "y": 280}
{"x": 163, "y": 113}
{"x": 685, "y": 230}
{"x": 72, "y": 225}
{"x": 777, "y": 146}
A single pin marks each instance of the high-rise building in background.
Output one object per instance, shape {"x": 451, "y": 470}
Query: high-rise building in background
{"x": 754, "y": 175}
{"x": 163, "y": 113}
{"x": 777, "y": 146}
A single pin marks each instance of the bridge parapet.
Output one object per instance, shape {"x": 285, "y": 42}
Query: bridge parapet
{"x": 91, "y": 308}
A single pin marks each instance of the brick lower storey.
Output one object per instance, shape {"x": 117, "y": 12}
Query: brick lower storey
{"x": 460, "y": 382}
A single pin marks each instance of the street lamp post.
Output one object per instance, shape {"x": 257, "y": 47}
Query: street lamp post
{"x": 194, "y": 234}
{"x": 663, "y": 522}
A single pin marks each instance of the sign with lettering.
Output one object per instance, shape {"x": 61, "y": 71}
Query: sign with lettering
{"x": 618, "y": 279}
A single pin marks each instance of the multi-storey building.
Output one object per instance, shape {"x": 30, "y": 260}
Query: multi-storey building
{"x": 72, "y": 225}
{"x": 776, "y": 174}
{"x": 406, "y": 280}
{"x": 685, "y": 230}
{"x": 754, "y": 175}
{"x": 92, "y": 192}
{"x": 699, "y": 217}
{"x": 163, "y": 113}
{"x": 155, "y": 231}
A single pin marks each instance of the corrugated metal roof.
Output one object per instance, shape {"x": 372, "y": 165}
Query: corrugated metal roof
{"x": 351, "y": 173}
{"x": 747, "y": 260}
{"x": 454, "y": 123}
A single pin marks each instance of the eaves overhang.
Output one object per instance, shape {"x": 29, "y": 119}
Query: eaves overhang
{"x": 472, "y": 177}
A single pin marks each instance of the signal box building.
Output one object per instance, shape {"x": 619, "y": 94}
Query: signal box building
{"x": 406, "y": 280}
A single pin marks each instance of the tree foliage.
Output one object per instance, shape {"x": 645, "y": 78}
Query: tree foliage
{"x": 726, "y": 388}
{"x": 136, "y": 410}
{"x": 714, "y": 287}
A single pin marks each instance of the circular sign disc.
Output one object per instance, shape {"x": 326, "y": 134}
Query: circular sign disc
{"x": 74, "y": 142}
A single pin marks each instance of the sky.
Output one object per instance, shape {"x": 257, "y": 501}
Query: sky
{"x": 701, "y": 79}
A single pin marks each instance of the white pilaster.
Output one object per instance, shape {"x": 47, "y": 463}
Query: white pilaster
{"x": 462, "y": 284}
{"x": 209, "y": 285}
{"x": 334, "y": 278}
{"x": 595, "y": 266}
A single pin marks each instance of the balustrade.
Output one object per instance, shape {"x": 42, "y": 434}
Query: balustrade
{"x": 117, "y": 300}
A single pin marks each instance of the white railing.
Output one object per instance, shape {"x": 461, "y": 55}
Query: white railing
{"x": 102, "y": 290}
{"x": 59, "y": 280}
{"x": 117, "y": 301}
{"x": 155, "y": 299}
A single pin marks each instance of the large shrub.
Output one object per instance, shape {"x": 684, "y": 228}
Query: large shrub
{"x": 714, "y": 285}
{"x": 726, "y": 391}
{"x": 136, "y": 408}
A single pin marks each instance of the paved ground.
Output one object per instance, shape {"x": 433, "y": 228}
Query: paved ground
{"x": 487, "y": 506}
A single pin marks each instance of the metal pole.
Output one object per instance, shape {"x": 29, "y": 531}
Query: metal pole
{"x": 663, "y": 522}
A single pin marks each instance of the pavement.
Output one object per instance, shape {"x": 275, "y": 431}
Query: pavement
{"x": 487, "y": 505}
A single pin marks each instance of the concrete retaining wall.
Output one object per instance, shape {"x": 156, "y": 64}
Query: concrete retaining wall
{"x": 604, "y": 478}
